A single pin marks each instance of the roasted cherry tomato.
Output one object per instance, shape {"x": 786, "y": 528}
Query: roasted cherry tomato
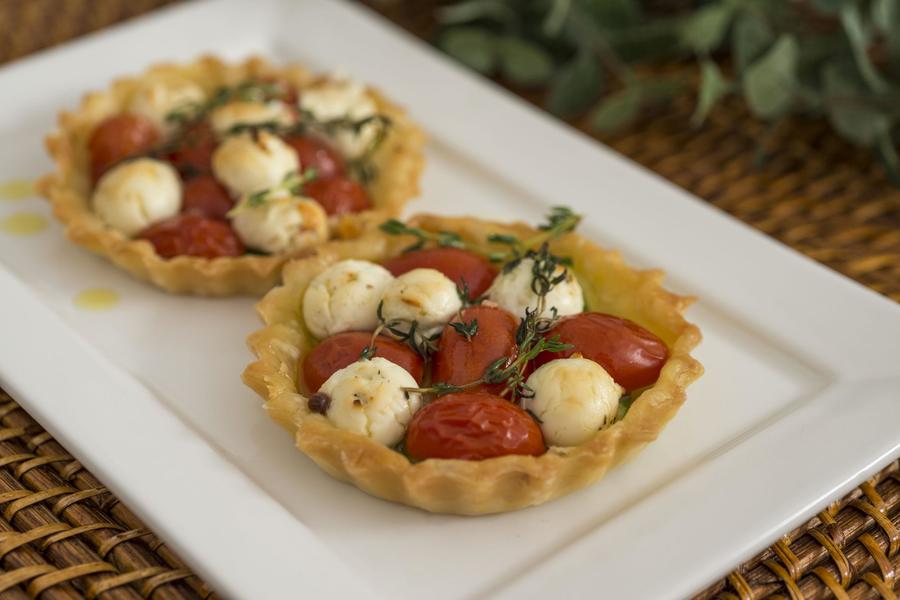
{"x": 457, "y": 264}
{"x": 193, "y": 235}
{"x": 205, "y": 196}
{"x": 338, "y": 195}
{"x": 317, "y": 154}
{"x": 192, "y": 154}
{"x": 117, "y": 138}
{"x": 472, "y": 426}
{"x": 342, "y": 349}
{"x": 630, "y": 354}
{"x": 460, "y": 360}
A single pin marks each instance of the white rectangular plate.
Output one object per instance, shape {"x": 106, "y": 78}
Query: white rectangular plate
{"x": 799, "y": 402}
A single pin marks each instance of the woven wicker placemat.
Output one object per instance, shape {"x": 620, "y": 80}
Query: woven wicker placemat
{"x": 62, "y": 535}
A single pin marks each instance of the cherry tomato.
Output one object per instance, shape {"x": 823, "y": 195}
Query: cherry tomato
{"x": 117, "y": 138}
{"x": 193, "y": 235}
{"x": 457, "y": 264}
{"x": 472, "y": 426}
{"x": 192, "y": 154}
{"x": 338, "y": 195}
{"x": 316, "y": 153}
{"x": 630, "y": 354}
{"x": 205, "y": 196}
{"x": 460, "y": 360}
{"x": 342, "y": 349}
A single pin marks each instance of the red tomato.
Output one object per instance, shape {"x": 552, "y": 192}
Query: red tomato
{"x": 316, "y": 153}
{"x": 193, "y": 152}
{"x": 472, "y": 426}
{"x": 205, "y": 196}
{"x": 459, "y": 360}
{"x": 342, "y": 349}
{"x": 193, "y": 235}
{"x": 630, "y": 354}
{"x": 338, "y": 195}
{"x": 117, "y": 138}
{"x": 457, "y": 264}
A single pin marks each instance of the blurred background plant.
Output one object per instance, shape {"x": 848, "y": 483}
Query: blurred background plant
{"x": 839, "y": 59}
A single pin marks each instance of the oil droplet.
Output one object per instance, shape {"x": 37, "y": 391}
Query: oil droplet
{"x": 96, "y": 299}
{"x": 23, "y": 223}
{"x": 16, "y": 189}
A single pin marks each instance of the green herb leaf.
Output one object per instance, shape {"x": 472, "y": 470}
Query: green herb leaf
{"x": 713, "y": 87}
{"x": 859, "y": 41}
{"x": 850, "y": 115}
{"x": 523, "y": 62}
{"x": 576, "y": 86}
{"x": 472, "y": 46}
{"x": 769, "y": 82}
{"x": 752, "y": 37}
{"x": 705, "y": 30}
{"x": 466, "y": 330}
{"x": 613, "y": 14}
{"x": 617, "y": 110}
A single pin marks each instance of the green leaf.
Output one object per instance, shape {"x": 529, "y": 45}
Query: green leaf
{"x": 705, "y": 30}
{"x": 473, "y": 10}
{"x": 613, "y": 14}
{"x": 556, "y": 17}
{"x": 576, "y": 86}
{"x": 845, "y": 94}
{"x": 472, "y": 46}
{"x": 617, "y": 110}
{"x": 752, "y": 36}
{"x": 652, "y": 40}
{"x": 713, "y": 87}
{"x": 524, "y": 62}
{"x": 886, "y": 15}
{"x": 859, "y": 41}
{"x": 769, "y": 81}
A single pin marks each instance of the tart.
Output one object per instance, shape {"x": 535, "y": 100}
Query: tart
{"x": 205, "y": 178}
{"x": 469, "y": 367}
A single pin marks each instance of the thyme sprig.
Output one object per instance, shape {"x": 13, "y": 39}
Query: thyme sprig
{"x": 560, "y": 221}
{"x": 291, "y": 185}
{"x": 247, "y": 91}
{"x": 407, "y": 331}
{"x": 441, "y": 238}
{"x": 467, "y": 330}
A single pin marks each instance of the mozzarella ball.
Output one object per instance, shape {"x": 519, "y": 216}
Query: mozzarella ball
{"x": 156, "y": 97}
{"x": 513, "y": 292}
{"x": 136, "y": 194}
{"x": 423, "y": 295}
{"x": 280, "y": 224}
{"x": 246, "y": 163}
{"x": 574, "y": 398}
{"x": 338, "y": 99}
{"x": 368, "y": 398}
{"x": 344, "y": 297}
{"x": 242, "y": 112}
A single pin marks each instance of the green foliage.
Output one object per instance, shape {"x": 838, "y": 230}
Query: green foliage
{"x": 838, "y": 59}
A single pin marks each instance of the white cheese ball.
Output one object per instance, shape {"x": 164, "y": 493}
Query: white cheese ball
{"x": 574, "y": 398}
{"x": 157, "y": 97}
{"x": 242, "y": 112}
{"x": 246, "y": 163}
{"x": 338, "y": 99}
{"x": 344, "y": 297}
{"x": 513, "y": 292}
{"x": 423, "y": 295}
{"x": 367, "y": 397}
{"x": 281, "y": 224}
{"x": 136, "y": 194}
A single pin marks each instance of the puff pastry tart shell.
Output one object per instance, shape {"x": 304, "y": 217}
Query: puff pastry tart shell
{"x": 399, "y": 162}
{"x": 462, "y": 486}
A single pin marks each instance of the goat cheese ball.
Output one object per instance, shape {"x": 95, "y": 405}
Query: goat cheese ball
{"x": 344, "y": 297}
{"x": 573, "y": 398}
{"x": 248, "y": 163}
{"x": 242, "y": 112}
{"x": 280, "y": 224}
{"x": 512, "y": 291}
{"x": 136, "y": 194}
{"x": 423, "y": 295}
{"x": 368, "y": 398}
{"x": 158, "y": 96}
{"x": 339, "y": 99}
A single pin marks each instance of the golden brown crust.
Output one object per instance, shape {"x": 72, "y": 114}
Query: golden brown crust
{"x": 399, "y": 160}
{"x": 459, "y": 486}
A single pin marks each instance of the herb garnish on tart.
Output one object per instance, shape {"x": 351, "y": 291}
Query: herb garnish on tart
{"x": 485, "y": 376}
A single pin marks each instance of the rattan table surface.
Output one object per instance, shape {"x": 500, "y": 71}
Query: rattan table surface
{"x": 62, "y": 535}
